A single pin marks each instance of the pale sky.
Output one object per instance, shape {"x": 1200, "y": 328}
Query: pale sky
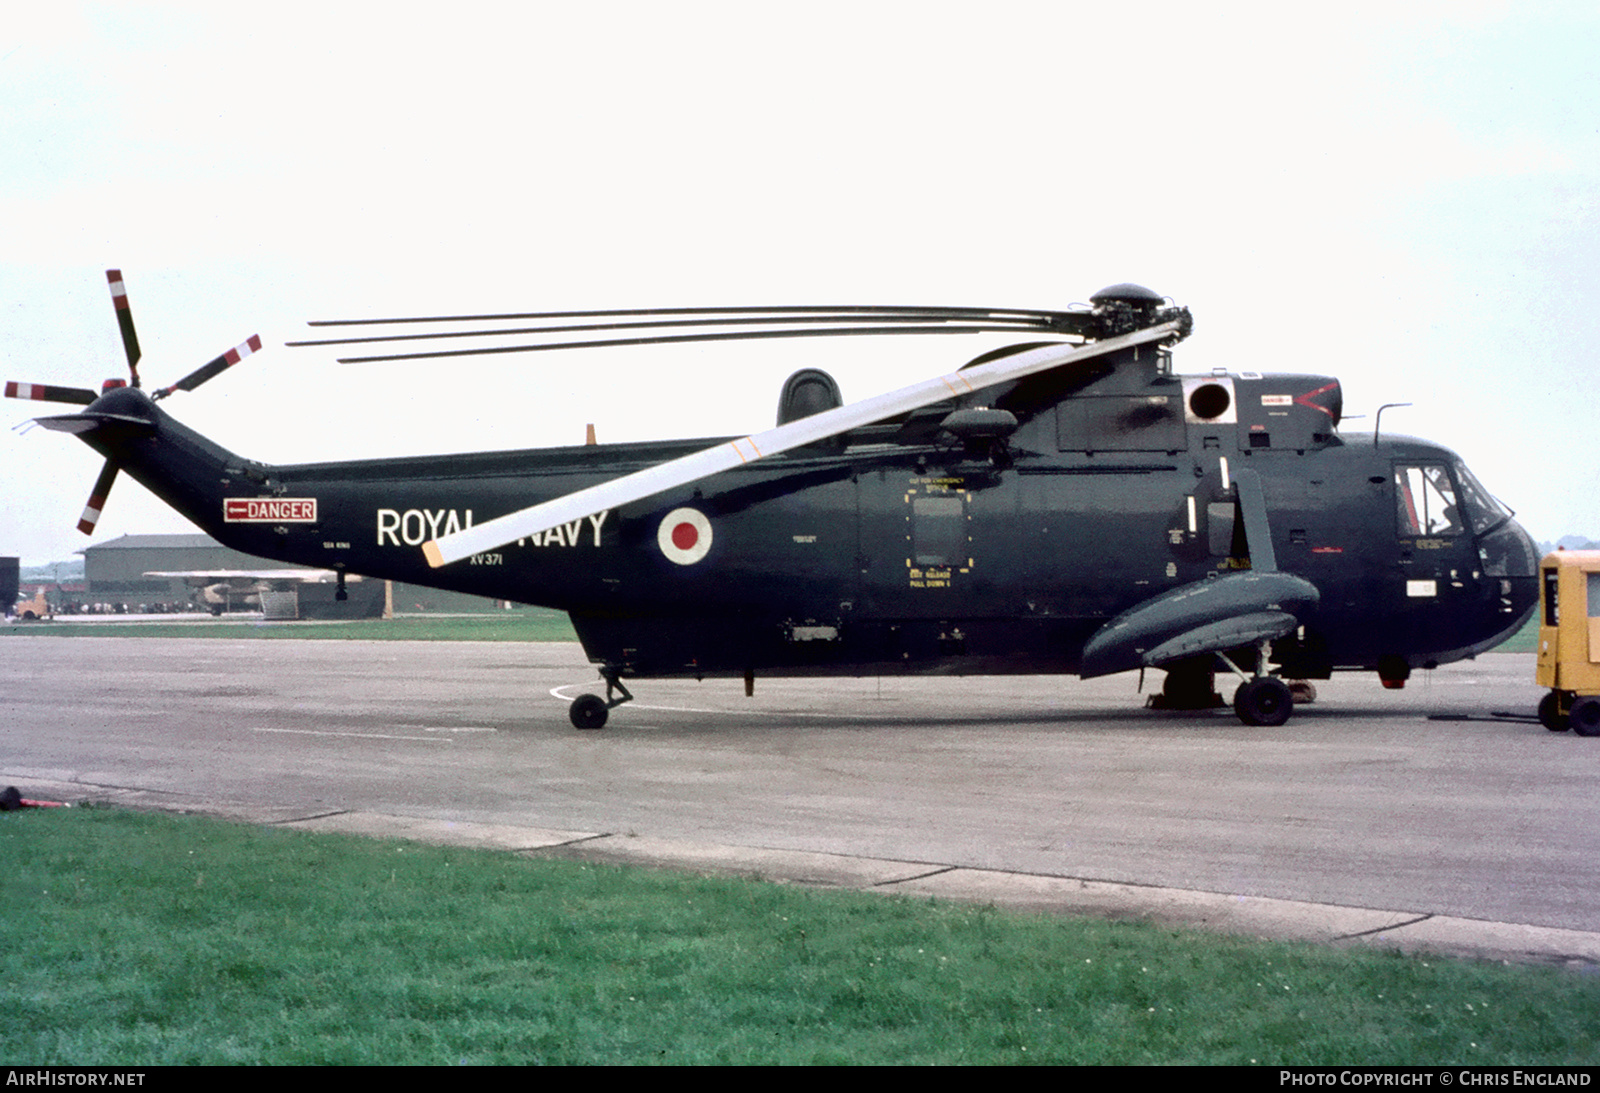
{"x": 1401, "y": 195}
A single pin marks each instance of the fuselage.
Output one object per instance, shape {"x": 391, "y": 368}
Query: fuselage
{"x": 902, "y": 548}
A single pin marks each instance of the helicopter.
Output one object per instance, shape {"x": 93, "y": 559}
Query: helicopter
{"x": 1068, "y": 504}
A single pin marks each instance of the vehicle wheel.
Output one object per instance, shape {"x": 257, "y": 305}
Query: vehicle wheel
{"x": 1190, "y": 685}
{"x": 589, "y": 712}
{"x": 1263, "y": 701}
{"x": 1550, "y": 715}
{"x": 1585, "y": 716}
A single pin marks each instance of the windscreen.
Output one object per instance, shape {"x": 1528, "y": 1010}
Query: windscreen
{"x": 1484, "y": 513}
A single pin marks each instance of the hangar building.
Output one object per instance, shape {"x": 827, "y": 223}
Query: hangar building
{"x": 115, "y": 572}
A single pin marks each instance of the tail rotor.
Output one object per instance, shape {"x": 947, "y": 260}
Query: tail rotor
{"x": 82, "y": 396}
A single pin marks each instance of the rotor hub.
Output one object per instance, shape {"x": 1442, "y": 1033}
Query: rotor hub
{"x": 1124, "y": 308}
{"x": 1126, "y": 294}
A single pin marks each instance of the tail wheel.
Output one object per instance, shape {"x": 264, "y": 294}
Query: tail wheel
{"x": 1265, "y": 700}
{"x": 588, "y": 712}
{"x": 1585, "y": 716}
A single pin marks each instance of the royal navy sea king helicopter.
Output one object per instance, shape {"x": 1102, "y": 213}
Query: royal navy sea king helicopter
{"x": 1069, "y": 504}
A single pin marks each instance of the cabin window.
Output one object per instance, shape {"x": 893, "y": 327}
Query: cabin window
{"x": 1594, "y": 595}
{"x": 1552, "y": 598}
{"x": 1426, "y": 501}
{"x": 938, "y": 530}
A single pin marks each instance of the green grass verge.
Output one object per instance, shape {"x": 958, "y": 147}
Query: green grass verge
{"x": 1525, "y": 640}
{"x": 138, "y": 939}
{"x": 531, "y": 624}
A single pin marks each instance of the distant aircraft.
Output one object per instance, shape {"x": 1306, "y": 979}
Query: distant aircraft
{"x": 218, "y": 590}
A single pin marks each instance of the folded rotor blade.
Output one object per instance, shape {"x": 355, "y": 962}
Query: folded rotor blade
{"x": 42, "y": 392}
{"x": 778, "y": 313}
{"x": 130, "y": 339}
{"x": 808, "y": 430}
{"x": 97, "y": 498}
{"x": 969, "y": 324}
{"x": 794, "y": 321}
{"x": 662, "y": 339}
{"x": 212, "y": 368}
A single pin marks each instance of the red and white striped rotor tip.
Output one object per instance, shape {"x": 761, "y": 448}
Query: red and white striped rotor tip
{"x": 97, "y": 498}
{"x": 119, "y": 291}
{"x": 44, "y": 392}
{"x": 91, "y": 514}
{"x": 239, "y": 352}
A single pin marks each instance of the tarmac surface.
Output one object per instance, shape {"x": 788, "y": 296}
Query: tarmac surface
{"x": 1360, "y": 821}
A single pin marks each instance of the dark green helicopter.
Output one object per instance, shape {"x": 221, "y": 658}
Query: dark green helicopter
{"x": 1065, "y": 505}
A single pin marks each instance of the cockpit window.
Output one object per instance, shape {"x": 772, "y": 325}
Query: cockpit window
{"x": 1483, "y": 511}
{"x": 1426, "y": 500}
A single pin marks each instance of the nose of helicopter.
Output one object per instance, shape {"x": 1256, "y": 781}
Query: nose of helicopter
{"x": 1510, "y": 558}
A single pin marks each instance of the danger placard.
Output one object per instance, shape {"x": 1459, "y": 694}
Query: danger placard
{"x": 269, "y": 510}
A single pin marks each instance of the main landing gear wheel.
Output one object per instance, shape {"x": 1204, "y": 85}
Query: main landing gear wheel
{"x": 1585, "y": 716}
{"x": 1265, "y": 700}
{"x": 1190, "y": 685}
{"x": 1550, "y": 715}
{"x": 588, "y": 712}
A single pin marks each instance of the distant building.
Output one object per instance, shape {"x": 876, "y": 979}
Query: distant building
{"x": 114, "y": 572}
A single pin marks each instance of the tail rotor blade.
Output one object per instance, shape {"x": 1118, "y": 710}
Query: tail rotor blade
{"x": 97, "y": 498}
{"x": 130, "y": 338}
{"x": 212, "y": 368}
{"x": 43, "y": 392}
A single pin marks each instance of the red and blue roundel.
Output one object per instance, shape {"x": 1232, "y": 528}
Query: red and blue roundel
{"x": 684, "y": 536}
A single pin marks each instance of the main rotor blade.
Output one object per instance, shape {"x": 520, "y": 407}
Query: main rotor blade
{"x": 663, "y": 339}
{"x": 43, "y": 392}
{"x": 130, "y": 339}
{"x": 212, "y": 368}
{"x": 854, "y": 310}
{"x": 574, "y": 328}
{"x": 808, "y": 430}
{"x": 97, "y": 498}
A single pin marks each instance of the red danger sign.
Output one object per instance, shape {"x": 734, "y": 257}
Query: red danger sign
{"x": 269, "y": 510}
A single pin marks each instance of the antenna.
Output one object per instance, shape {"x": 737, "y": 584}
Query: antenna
{"x": 1377, "y": 422}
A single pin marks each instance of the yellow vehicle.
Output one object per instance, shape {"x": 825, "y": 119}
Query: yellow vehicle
{"x": 36, "y": 608}
{"x": 1569, "y": 642}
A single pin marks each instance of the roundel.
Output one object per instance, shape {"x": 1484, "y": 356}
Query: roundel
{"x": 684, "y": 536}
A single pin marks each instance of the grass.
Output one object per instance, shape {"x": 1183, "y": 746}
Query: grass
{"x": 1525, "y": 640}
{"x": 141, "y": 939}
{"x": 530, "y": 624}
